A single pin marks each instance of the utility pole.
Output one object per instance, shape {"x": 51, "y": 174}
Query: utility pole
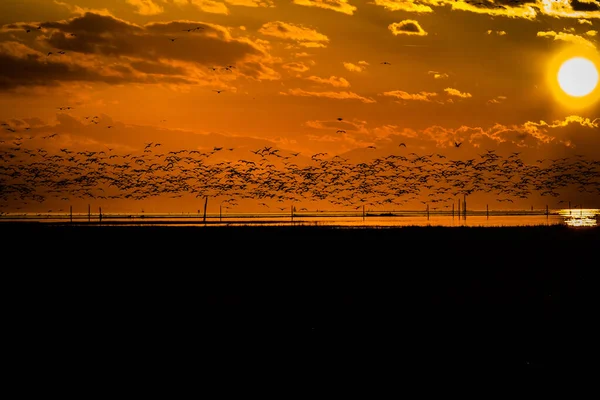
{"x": 205, "y": 204}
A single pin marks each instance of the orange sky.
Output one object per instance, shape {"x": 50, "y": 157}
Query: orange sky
{"x": 426, "y": 73}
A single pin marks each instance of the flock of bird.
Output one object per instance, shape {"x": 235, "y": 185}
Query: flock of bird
{"x": 34, "y": 174}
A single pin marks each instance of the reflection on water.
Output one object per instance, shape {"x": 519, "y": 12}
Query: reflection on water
{"x": 574, "y": 218}
{"x": 580, "y": 217}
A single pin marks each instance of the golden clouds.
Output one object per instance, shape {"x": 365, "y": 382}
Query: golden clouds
{"x": 219, "y": 7}
{"x": 304, "y": 36}
{"x": 581, "y": 9}
{"x": 146, "y": 7}
{"x": 568, "y": 9}
{"x": 329, "y": 95}
{"x": 209, "y": 6}
{"x": 360, "y": 67}
{"x": 438, "y": 75}
{"x": 251, "y": 3}
{"x": 341, "y": 6}
{"x": 427, "y": 96}
{"x": 457, "y": 93}
{"x": 421, "y": 96}
{"x": 332, "y": 80}
{"x": 407, "y": 27}
{"x": 296, "y": 66}
{"x": 567, "y": 37}
{"x": 405, "y": 5}
{"x": 497, "y": 100}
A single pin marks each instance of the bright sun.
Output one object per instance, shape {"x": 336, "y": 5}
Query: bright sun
{"x": 578, "y": 76}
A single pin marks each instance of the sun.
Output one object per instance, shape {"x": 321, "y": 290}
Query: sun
{"x": 577, "y": 76}
{"x": 573, "y": 79}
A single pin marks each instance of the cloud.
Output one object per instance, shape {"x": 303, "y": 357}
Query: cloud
{"x": 567, "y": 37}
{"x": 499, "y": 33}
{"x": 146, "y": 7}
{"x": 592, "y": 33}
{"x": 22, "y": 66}
{"x": 407, "y": 27}
{"x": 114, "y": 50}
{"x": 330, "y": 95}
{"x": 425, "y": 96}
{"x": 251, "y": 3}
{"x": 77, "y": 10}
{"x": 457, "y": 93}
{"x": 570, "y": 132}
{"x": 332, "y": 80}
{"x": 529, "y": 134}
{"x": 584, "y": 21}
{"x": 296, "y": 66}
{"x": 404, "y": 5}
{"x": 354, "y": 67}
{"x": 209, "y": 6}
{"x": 438, "y": 75}
{"x": 421, "y": 96}
{"x": 530, "y": 10}
{"x": 304, "y": 36}
{"x": 497, "y": 100}
{"x": 341, "y": 6}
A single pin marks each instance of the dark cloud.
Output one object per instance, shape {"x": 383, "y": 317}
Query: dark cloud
{"x": 581, "y": 6}
{"x": 34, "y": 70}
{"x": 105, "y": 35}
{"x": 409, "y": 27}
{"x": 93, "y": 24}
{"x": 139, "y": 49}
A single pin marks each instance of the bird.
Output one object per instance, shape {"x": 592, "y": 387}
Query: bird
{"x": 339, "y": 118}
{"x": 402, "y": 145}
{"x": 457, "y": 144}
{"x": 386, "y": 63}
{"x": 340, "y": 131}
{"x": 218, "y": 91}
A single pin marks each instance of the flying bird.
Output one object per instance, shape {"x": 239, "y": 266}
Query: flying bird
{"x": 457, "y": 144}
{"x": 402, "y": 145}
{"x": 218, "y": 91}
{"x": 386, "y": 63}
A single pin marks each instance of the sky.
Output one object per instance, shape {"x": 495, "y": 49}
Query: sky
{"x": 313, "y": 80}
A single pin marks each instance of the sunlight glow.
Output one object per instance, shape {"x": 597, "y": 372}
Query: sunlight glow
{"x": 572, "y": 77}
{"x": 578, "y": 76}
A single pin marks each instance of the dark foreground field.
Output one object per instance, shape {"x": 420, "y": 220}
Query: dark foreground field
{"x": 437, "y": 298}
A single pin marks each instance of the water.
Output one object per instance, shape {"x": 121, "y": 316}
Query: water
{"x": 574, "y": 217}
